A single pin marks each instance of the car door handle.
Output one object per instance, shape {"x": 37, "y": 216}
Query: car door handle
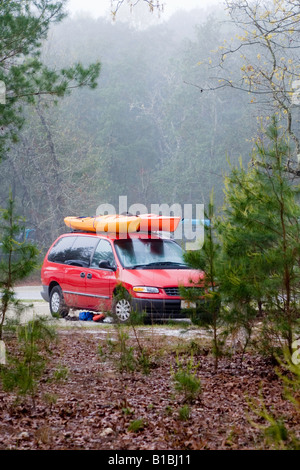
{"x": 82, "y": 274}
{"x": 89, "y": 276}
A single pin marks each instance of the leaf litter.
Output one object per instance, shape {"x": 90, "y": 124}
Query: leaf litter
{"x": 94, "y": 406}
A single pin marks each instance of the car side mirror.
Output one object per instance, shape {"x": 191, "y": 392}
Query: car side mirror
{"x": 105, "y": 264}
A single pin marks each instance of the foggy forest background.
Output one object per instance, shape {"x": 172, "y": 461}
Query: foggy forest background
{"x": 148, "y": 131}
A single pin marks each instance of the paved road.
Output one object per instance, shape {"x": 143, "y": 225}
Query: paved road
{"x": 29, "y": 293}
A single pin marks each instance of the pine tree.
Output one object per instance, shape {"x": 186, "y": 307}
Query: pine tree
{"x": 17, "y": 258}
{"x": 260, "y": 238}
{"x": 24, "y": 25}
{"x": 208, "y": 260}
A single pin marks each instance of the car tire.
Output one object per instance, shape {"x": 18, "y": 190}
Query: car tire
{"x": 57, "y": 304}
{"x": 121, "y": 308}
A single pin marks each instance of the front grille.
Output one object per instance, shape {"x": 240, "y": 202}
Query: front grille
{"x": 173, "y": 291}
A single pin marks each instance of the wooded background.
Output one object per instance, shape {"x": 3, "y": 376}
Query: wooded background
{"x": 146, "y": 132}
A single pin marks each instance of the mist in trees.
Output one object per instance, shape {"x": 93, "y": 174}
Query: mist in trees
{"x": 148, "y": 131}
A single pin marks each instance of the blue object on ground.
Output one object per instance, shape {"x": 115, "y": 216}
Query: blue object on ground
{"x": 86, "y": 316}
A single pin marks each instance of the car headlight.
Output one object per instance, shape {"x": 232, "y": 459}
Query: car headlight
{"x": 146, "y": 290}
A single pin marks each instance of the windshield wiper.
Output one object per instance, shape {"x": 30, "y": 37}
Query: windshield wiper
{"x": 171, "y": 263}
{"x": 160, "y": 263}
{"x": 137, "y": 266}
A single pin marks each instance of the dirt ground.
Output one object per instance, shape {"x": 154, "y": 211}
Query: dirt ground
{"x": 94, "y": 404}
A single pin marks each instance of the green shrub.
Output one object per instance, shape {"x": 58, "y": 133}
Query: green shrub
{"x": 23, "y": 371}
{"x": 185, "y": 379}
{"x": 136, "y": 425}
{"x": 184, "y": 413}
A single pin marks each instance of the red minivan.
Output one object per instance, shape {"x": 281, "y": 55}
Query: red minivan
{"x": 82, "y": 271}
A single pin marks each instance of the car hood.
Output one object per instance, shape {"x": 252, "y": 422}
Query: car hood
{"x": 162, "y": 277}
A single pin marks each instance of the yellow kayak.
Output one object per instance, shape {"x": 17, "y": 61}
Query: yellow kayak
{"x": 123, "y": 223}
{"x": 104, "y": 223}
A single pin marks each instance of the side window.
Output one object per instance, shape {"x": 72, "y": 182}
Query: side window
{"x": 82, "y": 250}
{"x": 73, "y": 250}
{"x": 103, "y": 252}
{"x": 61, "y": 250}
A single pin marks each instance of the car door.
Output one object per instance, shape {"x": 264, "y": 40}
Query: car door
{"x": 75, "y": 271}
{"x": 100, "y": 280}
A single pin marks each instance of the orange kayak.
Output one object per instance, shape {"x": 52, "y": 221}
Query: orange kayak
{"x": 158, "y": 223}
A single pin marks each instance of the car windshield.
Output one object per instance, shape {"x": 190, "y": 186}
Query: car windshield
{"x": 149, "y": 253}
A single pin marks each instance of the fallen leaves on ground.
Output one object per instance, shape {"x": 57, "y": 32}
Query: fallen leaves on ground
{"x": 93, "y": 407}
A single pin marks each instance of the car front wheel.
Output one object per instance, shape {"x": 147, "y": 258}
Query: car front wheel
{"x": 57, "y": 303}
{"x": 121, "y": 309}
